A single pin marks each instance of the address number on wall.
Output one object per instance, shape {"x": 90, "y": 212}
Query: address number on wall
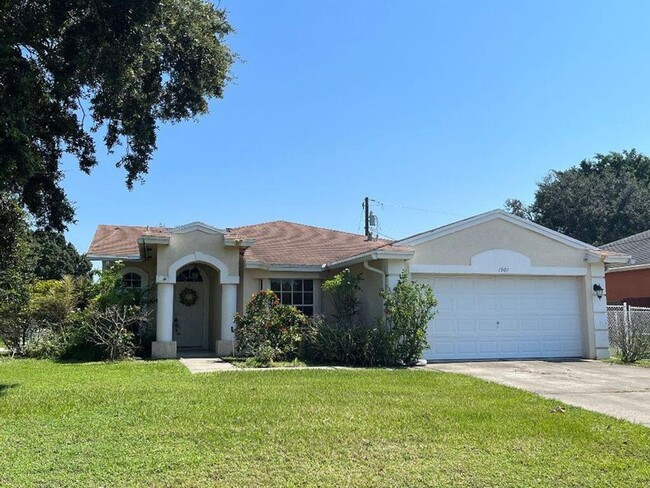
{"x": 503, "y": 269}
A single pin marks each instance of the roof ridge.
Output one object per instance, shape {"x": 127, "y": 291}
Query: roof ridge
{"x": 386, "y": 241}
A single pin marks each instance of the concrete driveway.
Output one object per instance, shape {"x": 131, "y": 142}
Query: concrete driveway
{"x": 619, "y": 391}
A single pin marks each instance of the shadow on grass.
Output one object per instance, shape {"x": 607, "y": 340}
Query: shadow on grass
{"x": 5, "y": 387}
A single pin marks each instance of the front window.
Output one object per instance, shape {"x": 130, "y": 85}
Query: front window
{"x": 132, "y": 280}
{"x": 299, "y": 293}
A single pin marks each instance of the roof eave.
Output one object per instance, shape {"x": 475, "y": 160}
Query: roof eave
{"x": 371, "y": 256}
{"x": 302, "y": 268}
{"x": 112, "y": 257}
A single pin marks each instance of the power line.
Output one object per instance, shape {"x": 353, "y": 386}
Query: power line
{"x": 419, "y": 209}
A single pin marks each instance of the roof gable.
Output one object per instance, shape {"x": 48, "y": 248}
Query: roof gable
{"x": 487, "y": 217}
{"x": 197, "y": 227}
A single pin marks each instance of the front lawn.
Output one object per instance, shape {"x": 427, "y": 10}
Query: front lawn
{"x": 155, "y": 424}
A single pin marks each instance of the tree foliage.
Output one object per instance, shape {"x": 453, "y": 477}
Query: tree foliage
{"x": 343, "y": 290}
{"x": 56, "y": 257}
{"x": 601, "y": 200}
{"x": 16, "y": 273}
{"x": 69, "y": 68}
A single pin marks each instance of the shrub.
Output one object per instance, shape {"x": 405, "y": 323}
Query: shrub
{"x": 629, "y": 334}
{"x": 409, "y": 308}
{"x": 343, "y": 290}
{"x": 266, "y": 325}
{"x": 53, "y": 301}
{"x": 111, "y": 329}
{"x": 345, "y": 344}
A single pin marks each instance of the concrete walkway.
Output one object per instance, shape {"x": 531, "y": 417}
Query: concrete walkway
{"x": 616, "y": 390}
{"x": 205, "y": 364}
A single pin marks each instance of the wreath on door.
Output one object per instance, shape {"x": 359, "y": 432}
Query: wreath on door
{"x": 188, "y": 297}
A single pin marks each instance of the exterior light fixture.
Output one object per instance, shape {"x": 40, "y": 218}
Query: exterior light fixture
{"x": 599, "y": 291}
{"x": 195, "y": 274}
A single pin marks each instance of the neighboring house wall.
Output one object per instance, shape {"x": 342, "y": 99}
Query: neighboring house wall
{"x": 632, "y": 287}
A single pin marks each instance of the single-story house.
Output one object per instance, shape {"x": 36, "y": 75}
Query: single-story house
{"x": 630, "y": 282}
{"x": 507, "y": 287}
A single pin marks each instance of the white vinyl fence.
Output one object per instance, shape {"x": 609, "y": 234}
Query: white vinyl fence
{"x": 629, "y": 331}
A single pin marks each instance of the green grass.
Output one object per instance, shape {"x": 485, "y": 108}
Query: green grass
{"x": 155, "y": 424}
{"x": 643, "y": 363}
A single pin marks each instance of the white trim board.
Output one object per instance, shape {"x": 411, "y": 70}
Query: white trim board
{"x": 463, "y": 269}
{"x": 487, "y": 217}
{"x": 633, "y": 267}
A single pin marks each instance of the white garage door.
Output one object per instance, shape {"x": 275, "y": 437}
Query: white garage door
{"x": 504, "y": 317}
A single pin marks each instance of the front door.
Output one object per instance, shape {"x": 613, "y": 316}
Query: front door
{"x": 189, "y": 313}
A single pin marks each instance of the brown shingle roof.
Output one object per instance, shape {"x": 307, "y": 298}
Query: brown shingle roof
{"x": 281, "y": 242}
{"x": 277, "y": 242}
{"x": 121, "y": 240}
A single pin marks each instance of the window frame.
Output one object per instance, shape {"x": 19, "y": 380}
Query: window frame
{"x": 309, "y": 309}
{"x": 144, "y": 277}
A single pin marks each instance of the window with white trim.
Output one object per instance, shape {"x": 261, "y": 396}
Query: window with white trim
{"x": 132, "y": 280}
{"x": 299, "y": 293}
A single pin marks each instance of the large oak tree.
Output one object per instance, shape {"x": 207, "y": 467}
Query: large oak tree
{"x": 72, "y": 68}
{"x": 600, "y": 200}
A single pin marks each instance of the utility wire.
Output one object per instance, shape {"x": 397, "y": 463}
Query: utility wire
{"x": 408, "y": 207}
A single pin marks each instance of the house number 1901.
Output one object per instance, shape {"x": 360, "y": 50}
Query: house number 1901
{"x": 503, "y": 269}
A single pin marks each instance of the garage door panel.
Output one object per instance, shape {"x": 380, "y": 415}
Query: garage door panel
{"x": 464, "y": 304}
{"x": 460, "y": 285}
{"x": 445, "y": 302}
{"x": 529, "y": 304}
{"x": 508, "y": 347}
{"x": 488, "y": 347}
{"x": 508, "y": 326}
{"x": 508, "y": 303}
{"x": 443, "y": 326}
{"x": 529, "y": 325}
{"x": 488, "y": 303}
{"x": 530, "y": 347}
{"x": 466, "y": 326}
{"x": 487, "y": 326}
{"x": 466, "y": 348}
{"x": 505, "y": 317}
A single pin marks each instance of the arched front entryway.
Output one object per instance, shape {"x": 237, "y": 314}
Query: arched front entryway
{"x": 191, "y": 308}
{"x": 219, "y": 298}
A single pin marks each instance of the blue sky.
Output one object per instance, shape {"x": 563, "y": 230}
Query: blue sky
{"x": 447, "y": 106}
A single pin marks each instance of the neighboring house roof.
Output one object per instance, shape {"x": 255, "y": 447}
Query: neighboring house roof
{"x": 637, "y": 246}
{"x": 121, "y": 241}
{"x": 281, "y": 242}
{"x": 275, "y": 243}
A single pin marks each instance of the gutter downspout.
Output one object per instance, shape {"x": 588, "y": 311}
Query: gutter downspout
{"x": 376, "y": 270}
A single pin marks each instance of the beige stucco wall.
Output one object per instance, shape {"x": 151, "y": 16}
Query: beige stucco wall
{"x": 459, "y": 247}
{"x": 181, "y": 245}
